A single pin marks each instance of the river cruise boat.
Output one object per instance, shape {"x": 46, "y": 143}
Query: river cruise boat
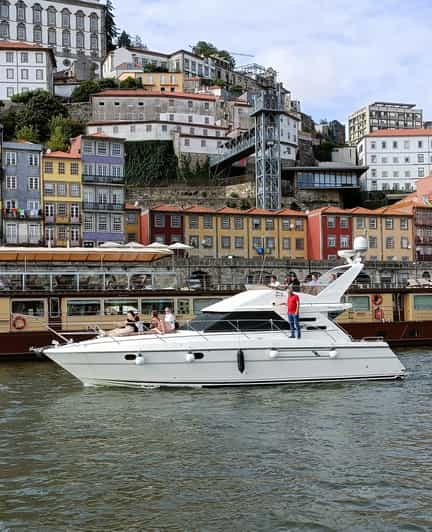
{"x": 242, "y": 340}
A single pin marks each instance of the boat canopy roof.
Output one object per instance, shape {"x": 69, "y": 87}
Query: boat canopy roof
{"x": 115, "y": 254}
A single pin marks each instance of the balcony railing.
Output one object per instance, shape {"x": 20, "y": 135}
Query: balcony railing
{"x": 91, "y": 206}
{"x": 21, "y": 214}
{"x": 105, "y": 179}
{"x": 62, "y": 219}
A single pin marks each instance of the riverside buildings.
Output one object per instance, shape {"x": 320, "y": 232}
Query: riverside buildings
{"x": 22, "y": 216}
{"x": 396, "y": 159}
{"x": 383, "y": 115}
{"x": 25, "y": 67}
{"x": 73, "y": 29}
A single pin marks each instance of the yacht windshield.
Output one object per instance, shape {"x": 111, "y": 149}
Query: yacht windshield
{"x": 238, "y": 321}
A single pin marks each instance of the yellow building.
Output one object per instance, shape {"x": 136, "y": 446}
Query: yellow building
{"x": 156, "y": 81}
{"x": 132, "y": 223}
{"x": 62, "y": 198}
{"x": 248, "y": 234}
{"x": 389, "y": 232}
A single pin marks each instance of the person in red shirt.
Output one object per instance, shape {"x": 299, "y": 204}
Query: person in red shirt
{"x": 294, "y": 313}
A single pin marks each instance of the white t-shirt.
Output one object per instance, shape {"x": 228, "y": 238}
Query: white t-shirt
{"x": 169, "y": 321}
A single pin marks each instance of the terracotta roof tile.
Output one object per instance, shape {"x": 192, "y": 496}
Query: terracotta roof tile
{"x": 200, "y": 210}
{"x": 165, "y": 207}
{"x": 61, "y": 155}
{"x": 401, "y": 133}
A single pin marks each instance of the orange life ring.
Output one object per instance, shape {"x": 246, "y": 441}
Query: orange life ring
{"x": 19, "y": 323}
{"x": 377, "y": 299}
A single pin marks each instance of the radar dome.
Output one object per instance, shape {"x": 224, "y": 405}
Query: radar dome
{"x": 360, "y": 244}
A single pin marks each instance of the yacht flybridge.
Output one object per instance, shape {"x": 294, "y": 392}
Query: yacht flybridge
{"x": 241, "y": 340}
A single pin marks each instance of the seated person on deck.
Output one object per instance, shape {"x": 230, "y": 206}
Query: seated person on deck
{"x": 130, "y": 326}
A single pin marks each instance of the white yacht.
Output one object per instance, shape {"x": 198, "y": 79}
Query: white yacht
{"x": 242, "y": 340}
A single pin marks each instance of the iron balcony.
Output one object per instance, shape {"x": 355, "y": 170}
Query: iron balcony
{"x": 91, "y": 206}
{"x": 105, "y": 179}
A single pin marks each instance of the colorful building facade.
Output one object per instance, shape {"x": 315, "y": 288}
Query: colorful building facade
{"x": 329, "y": 230}
{"x": 62, "y": 195}
{"x": 22, "y": 216}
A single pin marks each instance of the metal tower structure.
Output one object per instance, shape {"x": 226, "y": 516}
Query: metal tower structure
{"x": 269, "y": 106}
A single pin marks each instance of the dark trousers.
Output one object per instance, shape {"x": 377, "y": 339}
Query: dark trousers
{"x": 294, "y": 321}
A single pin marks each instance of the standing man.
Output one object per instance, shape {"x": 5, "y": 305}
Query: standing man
{"x": 169, "y": 320}
{"x": 293, "y": 304}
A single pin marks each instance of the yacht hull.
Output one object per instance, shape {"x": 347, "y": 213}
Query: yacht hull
{"x": 138, "y": 363}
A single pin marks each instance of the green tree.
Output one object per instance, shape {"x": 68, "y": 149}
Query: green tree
{"x": 27, "y": 133}
{"x": 25, "y": 97}
{"x": 205, "y": 49}
{"x": 131, "y": 83}
{"x": 124, "y": 41}
{"x": 8, "y": 120}
{"x": 110, "y": 26}
{"x": 69, "y": 127}
{"x": 57, "y": 141}
{"x": 89, "y": 87}
{"x": 38, "y": 112}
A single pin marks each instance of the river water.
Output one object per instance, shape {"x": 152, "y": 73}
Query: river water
{"x": 330, "y": 457}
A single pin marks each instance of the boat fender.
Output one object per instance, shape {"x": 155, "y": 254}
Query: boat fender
{"x": 190, "y": 357}
{"x": 333, "y": 353}
{"x": 240, "y": 361}
{"x": 140, "y": 360}
{"x": 19, "y": 323}
{"x": 273, "y": 353}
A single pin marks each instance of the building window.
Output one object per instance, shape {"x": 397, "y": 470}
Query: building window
{"x": 21, "y": 11}
{"x": 164, "y": 128}
{"x": 9, "y": 56}
{"x": 389, "y": 242}
{"x": 10, "y": 73}
{"x": 66, "y": 39}
{"x": 373, "y": 242}
{"x": 116, "y": 150}
{"x": 226, "y": 222}
{"x": 420, "y": 158}
{"x": 74, "y": 168}
{"x": 383, "y": 145}
{"x": 102, "y": 148}
{"x": 175, "y": 221}
{"x": 117, "y": 225}
{"x": 80, "y": 39}
{"x": 388, "y": 224}
{"x": 331, "y": 241}
{"x": 208, "y": 221}
{"x": 226, "y": 242}
{"x": 61, "y": 209}
{"x": 331, "y": 222}
{"x": 360, "y": 223}
{"x": 420, "y": 144}
{"x": 21, "y": 32}
{"x": 75, "y": 190}
{"x": 299, "y": 244}
{"x": 103, "y": 222}
{"x": 187, "y": 142}
{"x": 94, "y": 23}
{"x": 404, "y": 223}
{"x": 4, "y": 9}
{"x": 372, "y": 223}
{"x": 65, "y": 16}
{"x": 11, "y": 158}
{"x": 33, "y": 183}
{"x": 239, "y": 242}
{"x": 24, "y": 73}
{"x": 193, "y": 221}
{"x": 11, "y": 182}
{"x": 88, "y": 223}
{"x": 208, "y": 241}
{"x": 238, "y": 222}
{"x": 49, "y": 189}
{"x": 395, "y": 144}
{"x": 420, "y": 172}
{"x": 61, "y": 189}
{"x": 344, "y": 242}
{"x": 344, "y": 222}
{"x": 79, "y": 20}
{"x": 203, "y": 143}
{"x": 269, "y": 224}
{"x": 37, "y": 35}
{"x": 52, "y": 36}
{"x": 404, "y": 242}
{"x": 61, "y": 168}
{"x": 94, "y": 42}
{"x": 51, "y": 11}
{"x": 159, "y": 220}
{"x": 33, "y": 159}
{"x": 270, "y": 243}
{"x": 286, "y": 243}
{"x": 10, "y": 91}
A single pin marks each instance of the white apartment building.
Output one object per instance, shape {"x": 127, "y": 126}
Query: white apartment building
{"x": 181, "y": 61}
{"x": 396, "y": 159}
{"x": 383, "y": 115}
{"x": 25, "y": 67}
{"x": 71, "y": 28}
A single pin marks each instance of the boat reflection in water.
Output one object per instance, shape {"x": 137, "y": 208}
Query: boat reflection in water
{"x": 242, "y": 340}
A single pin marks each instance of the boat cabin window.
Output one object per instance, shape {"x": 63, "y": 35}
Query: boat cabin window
{"x": 165, "y": 280}
{"x": 116, "y": 282}
{"x": 65, "y": 282}
{"x": 200, "y": 303}
{"x": 83, "y": 308}
{"x": 30, "y": 307}
{"x": 148, "y": 305}
{"x": 141, "y": 281}
{"x": 243, "y": 321}
{"x": 91, "y": 282}
{"x": 115, "y": 307}
{"x": 423, "y": 302}
{"x": 359, "y": 303}
{"x": 11, "y": 282}
{"x": 37, "y": 282}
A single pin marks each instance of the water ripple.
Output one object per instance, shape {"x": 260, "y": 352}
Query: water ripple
{"x": 307, "y": 458}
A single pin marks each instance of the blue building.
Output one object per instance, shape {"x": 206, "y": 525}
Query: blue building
{"x": 22, "y": 214}
{"x": 103, "y": 189}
